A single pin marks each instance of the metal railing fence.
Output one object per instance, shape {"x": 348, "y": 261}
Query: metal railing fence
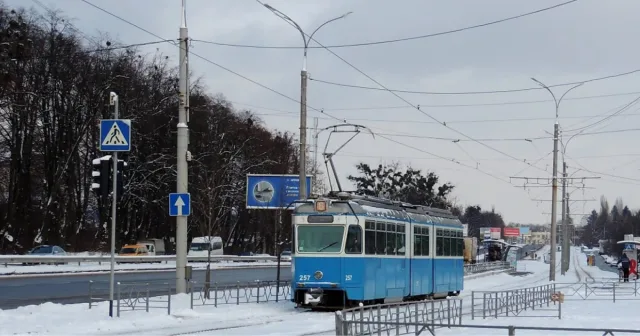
{"x": 493, "y": 304}
{"x": 130, "y": 296}
{"x": 398, "y": 318}
{"x": 7, "y": 260}
{"x": 486, "y": 267}
{"x": 511, "y": 329}
{"x": 203, "y": 294}
{"x": 605, "y": 290}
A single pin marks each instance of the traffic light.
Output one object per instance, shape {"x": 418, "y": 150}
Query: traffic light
{"x": 101, "y": 179}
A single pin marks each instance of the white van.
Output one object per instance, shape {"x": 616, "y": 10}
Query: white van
{"x": 201, "y": 245}
{"x": 155, "y": 246}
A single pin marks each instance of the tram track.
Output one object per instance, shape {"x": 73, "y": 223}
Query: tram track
{"x": 577, "y": 267}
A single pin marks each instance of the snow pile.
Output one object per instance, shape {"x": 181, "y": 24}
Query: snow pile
{"x": 105, "y": 266}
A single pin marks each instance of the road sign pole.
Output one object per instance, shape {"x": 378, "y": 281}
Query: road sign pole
{"x": 182, "y": 144}
{"x": 113, "y": 98}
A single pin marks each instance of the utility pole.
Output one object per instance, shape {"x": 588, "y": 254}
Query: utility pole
{"x": 566, "y": 246}
{"x": 315, "y": 152}
{"x": 565, "y": 255}
{"x": 303, "y": 130}
{"x": 554, "y": 188}
{"x": 565, "y": 231}
{"x": 182, "y": 165}
{"x": 113, "y": 100}
{"x": 554, "y": 199}
{"x": 303, "y": 92}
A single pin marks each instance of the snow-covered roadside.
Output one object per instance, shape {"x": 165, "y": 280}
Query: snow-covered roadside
{"x": 276, "y": 318}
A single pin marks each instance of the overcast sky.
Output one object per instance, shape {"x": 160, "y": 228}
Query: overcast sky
{"x": 579, "y": 41}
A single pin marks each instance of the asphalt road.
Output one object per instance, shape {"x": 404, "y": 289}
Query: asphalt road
{"x": 21, "y": 291}
{"x": 17, "y": 291}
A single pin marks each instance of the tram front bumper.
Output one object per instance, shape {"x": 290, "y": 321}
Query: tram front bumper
{"x": 313, "y": 296}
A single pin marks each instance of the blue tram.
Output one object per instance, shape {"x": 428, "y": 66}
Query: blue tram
{"x": 357, "y": 249}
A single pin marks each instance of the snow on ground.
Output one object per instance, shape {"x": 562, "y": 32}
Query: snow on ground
{"x": 283, "y": 319}
{"x": 105, "y": 266}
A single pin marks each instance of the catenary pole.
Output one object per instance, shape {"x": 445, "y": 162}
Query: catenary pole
{"x": 113, "y": 100}
{"x": 183, "y": 142}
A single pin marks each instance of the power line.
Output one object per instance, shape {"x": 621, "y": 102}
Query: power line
{"x": 522, "y": 102}
{"x": 293, "y": 114}
{"x": 88, "y": 38}
{"x": 127, "y": 46}
{"x": 416, "y": 107}
{"x": 601, "y": 173}
{"x": 403, "y": 39}
{"x": 417, "y": 136}
{"x": 355, "y": 154}
{"x": 469, "y": 92}
{"x": 208, "y": 60}
{"x": 614, "y": 114}
{"x": 287, "y": 97}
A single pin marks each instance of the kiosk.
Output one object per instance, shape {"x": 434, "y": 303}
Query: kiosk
{"x": 630, "y": 249}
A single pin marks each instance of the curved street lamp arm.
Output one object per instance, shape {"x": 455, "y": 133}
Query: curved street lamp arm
{"x": 324, "y": 24}
{"x": 564, "y": 94}
{"x": 305, "y": 38}
{"x": 290, "y": 21}
{"x": 551, "y": 92}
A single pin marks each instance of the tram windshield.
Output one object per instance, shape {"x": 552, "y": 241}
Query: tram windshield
{"x": 320, "y": 238}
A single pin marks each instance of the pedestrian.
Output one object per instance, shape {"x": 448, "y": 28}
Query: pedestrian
{"x": 625, "y": 263}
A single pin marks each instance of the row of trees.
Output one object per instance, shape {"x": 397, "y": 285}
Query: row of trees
{"x": 610, "y": 224}
{"x": 54, "y": 90}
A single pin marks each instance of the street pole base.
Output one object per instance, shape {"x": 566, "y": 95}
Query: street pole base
{"x": 110, "y": 308}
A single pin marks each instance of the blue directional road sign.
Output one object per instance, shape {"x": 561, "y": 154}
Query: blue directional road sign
{"x": 179, "y": 204}
{"x": 115, "y": 135}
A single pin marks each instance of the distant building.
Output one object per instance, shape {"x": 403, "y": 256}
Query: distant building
{"x": 538, "y": 238}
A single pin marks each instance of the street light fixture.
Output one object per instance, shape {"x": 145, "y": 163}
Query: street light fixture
{"x": 554, "y": 188}
{"x": 303, "y": 92}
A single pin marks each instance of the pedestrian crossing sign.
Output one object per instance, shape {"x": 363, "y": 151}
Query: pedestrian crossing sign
{"x": 115, "y": 135}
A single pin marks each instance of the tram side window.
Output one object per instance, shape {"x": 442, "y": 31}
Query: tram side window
{"x": 439, "y": 242}
{"x": 381, "y": 238}
{"x": 421, "y": 241}
{"x": 391, "y": 239}
{"x": 370, "y": 237}
{"x": 447, "y": 243}
{"x": 354, "y": 240}
{"x": 400, "y": 239}
{"x": 417, "y": 241}
{"x": 460, "y": 242}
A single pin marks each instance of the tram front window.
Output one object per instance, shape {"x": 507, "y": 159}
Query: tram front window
{"x": 320, "y": 238}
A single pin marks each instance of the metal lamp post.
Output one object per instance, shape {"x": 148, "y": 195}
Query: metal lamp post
{"x": 554, "y": 188}
{"x": 303, "y": 92}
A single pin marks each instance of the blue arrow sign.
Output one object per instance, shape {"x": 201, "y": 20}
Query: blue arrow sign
{"x": 179, "y": 204}
{"x": 115, "y": 135}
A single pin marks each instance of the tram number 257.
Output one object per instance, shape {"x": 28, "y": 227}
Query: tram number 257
{"x": 304, "y": 277}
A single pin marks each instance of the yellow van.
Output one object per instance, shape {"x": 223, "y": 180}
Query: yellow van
{"x": 135, "y": 250}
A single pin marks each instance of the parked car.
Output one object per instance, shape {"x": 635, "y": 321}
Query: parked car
{"x": 285, "y": 256}
{"x": 46, "y": 250}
